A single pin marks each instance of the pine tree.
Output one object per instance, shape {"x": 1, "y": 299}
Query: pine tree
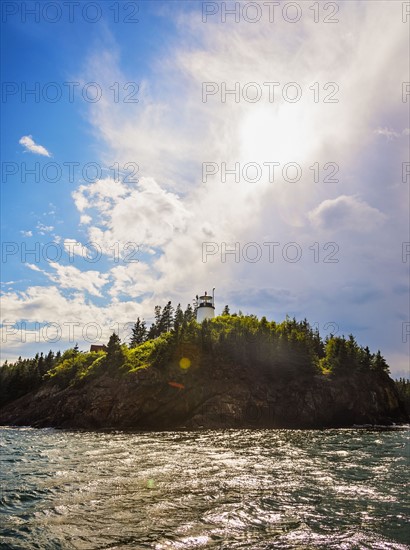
{"x": 365, "y": 359}
{"x": 114, "y": 344}
{"x": 379, "y": 363}
{"x": 167, "y": 318}
{"x": 206, "y": 338}
{"x": 226, "y": 310}
{"x": 48, "y": 362}
{"x": 353, "y": 353}
{"x": 40, "y": 365}
{"x": 178, "y": 319}
{"x": 139, "y": 333}
{"x": 188, "y": 314}
{"x": 157, "y": 321}
{"x": 152, "y": 332}
{"x": 115, "y": 357}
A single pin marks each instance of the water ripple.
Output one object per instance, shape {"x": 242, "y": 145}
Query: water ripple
{"x": 228, "y": 489}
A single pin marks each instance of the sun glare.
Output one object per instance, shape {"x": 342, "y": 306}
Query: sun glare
{"x": 282, "y": 133}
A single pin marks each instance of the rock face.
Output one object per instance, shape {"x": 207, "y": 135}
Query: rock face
{"x": 209, "y": 396}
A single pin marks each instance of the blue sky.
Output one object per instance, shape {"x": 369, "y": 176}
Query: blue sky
{"x": 353, "y": 279}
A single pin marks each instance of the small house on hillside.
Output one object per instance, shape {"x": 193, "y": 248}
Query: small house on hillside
{"x": 95, "y": 347}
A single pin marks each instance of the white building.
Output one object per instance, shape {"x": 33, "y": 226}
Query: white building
{"x": 205, "y": 307}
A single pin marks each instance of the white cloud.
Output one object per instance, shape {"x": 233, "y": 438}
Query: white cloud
{"x": 34, "y": 267}
{"x": 85, "y": 220}
{"x": 29, "y": 144}
{"x": 27, "y": 233}
{"x": 75, "y": 248}
{"x": 71, "y": 277}
{"x": 171, "y": 212}
{"x": 388, "y": 133}
{"x": 131, "y": 280}
{"x": 43, "y": 229}
{"x": 180, "y": 132}
{"x": 146, "y": 215}
{"x": 346, "y": 212}
{"x": 68, "y": 320}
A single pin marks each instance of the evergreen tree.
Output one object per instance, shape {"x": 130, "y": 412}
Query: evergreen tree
{"x": 115, "y": 357}
{"x": 353, "y": 353}
{"x": 40, "y": 365}
{"x": 178, "y": 319}
{"x": 48, "y": 362}
{"x": 167, "y": 318}
{"x": 365, "y": 360}
{"x": 336, "y": 356}
{"x": 379, "y": 363}
{"x": 206, "y": 337}
{"x": 139, "y": 333}
{"x": 188, "y": 314}
{"x": 157, "y": 320}
{"x": 152, "y": 332}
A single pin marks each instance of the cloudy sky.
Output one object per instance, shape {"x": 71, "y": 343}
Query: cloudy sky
{"x": 154, "y": 150}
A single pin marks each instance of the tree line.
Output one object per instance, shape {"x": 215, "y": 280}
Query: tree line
{"x": 287, "y": 349}
{"x": 403, "y": 388}
{"x": 166, "y": 319}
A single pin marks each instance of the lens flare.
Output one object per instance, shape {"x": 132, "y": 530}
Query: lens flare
{"x": 185, "y": 363}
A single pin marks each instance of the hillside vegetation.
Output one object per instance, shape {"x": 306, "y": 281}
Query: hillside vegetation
{"x": 288, "y": 350}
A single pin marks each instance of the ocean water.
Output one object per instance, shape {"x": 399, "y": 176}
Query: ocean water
{"x": 228, "y": 489}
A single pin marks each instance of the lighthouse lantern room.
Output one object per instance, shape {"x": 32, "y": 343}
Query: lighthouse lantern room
{"x": 205, "y": 306}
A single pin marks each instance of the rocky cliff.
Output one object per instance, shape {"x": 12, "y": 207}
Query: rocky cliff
{"x": 209, "y": 396}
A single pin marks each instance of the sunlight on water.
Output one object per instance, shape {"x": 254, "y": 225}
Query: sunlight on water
{"x": 213, "y": 489}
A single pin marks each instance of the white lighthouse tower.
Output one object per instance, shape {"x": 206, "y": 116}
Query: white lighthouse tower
{"x": 205, "y": 307}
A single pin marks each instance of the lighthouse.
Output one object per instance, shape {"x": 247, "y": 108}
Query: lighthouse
{"x": 205, "y": 307}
